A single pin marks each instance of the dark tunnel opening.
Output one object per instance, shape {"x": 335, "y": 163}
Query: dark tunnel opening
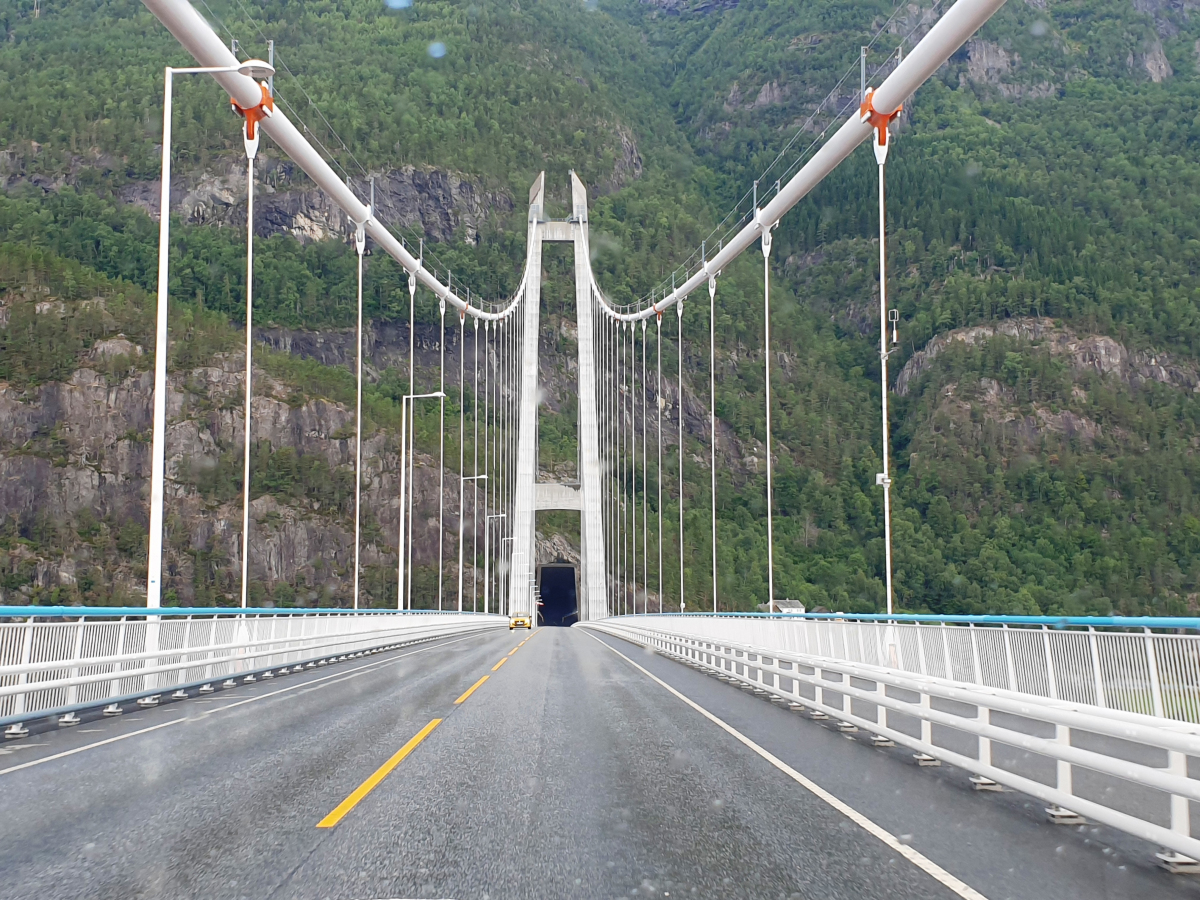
{"x": 560, "y": 604}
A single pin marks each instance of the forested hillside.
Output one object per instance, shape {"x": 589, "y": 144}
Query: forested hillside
{"x": 1044, "y": 203}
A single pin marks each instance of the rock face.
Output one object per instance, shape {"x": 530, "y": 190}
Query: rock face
{"x": 78, "y": 451}
{"x": 1095, "y": 353}
{"x": 441, "y": 204}
{"x": 957, "y": 402}
{"x": 1155, "y": 62}
{"x": 695, "y": 7}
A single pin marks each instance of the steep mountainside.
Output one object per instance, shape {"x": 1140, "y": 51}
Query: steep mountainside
{"x": 1044, "y": 245}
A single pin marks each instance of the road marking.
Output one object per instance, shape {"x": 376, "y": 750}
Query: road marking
{"x": 471, "y": 689}
{"x": 303, "y": 684}
{"x": 381, "y": 773}
{"x": 111, "y": 740}
{"x": 343, "y": 674}
{"x": 514, "y": 650}
{"x": 499, "y": 664}
{"x": 918, "y": 859}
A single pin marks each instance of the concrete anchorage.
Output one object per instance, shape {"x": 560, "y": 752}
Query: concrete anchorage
{"x": 530, "y": 496}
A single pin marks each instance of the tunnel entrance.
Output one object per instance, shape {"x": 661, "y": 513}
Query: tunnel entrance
{"x": 560, "y": 599}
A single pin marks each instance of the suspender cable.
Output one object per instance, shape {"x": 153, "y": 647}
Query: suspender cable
{"x": 487, "y": 407}
{"x": 360, "y": 245}
{"x": 880, "y": 123}
{"x": 766, "y": 250}
{"x": 659, "y": 395}
{"x": 462, "y": 403}
{"x": 251, "y": 152}
{"x": 608, "y": 467}
{"x": 489, "y": 457}
{"x": 475, "y": 474}
{"x": 400, "y": 508}
{"x": 412, "y": 404}
{"x": 679, "y": 316}
{"x": 712, "y": 421}
{"x": 627, "y": 388}
{"x": 441, "y": 564}
{"x": 630, "y": 485}
{"x": 412, "y": 490}
{"x": 633, "y": 529}
{"x": 645, "y": 483}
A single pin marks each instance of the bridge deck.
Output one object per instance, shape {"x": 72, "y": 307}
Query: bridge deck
{"x": 569, "y": 773}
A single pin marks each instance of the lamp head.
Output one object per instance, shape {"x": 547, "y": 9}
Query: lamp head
{"x": 256, "y": 69}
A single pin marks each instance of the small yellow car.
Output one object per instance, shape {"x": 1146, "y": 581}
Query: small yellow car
{"x": 520, "y": 622}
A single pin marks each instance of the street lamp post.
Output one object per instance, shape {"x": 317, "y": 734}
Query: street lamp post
{"x": 501, "y": 596}
{"x": 516, "y": 553}
{"x": 461, "y": 521}
{"x": 405, "y": 407}
{"x": 487, "y": 530}
{"x": 254, "y": 68}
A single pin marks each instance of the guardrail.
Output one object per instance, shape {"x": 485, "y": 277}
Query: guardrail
{"x": 55, "y": 661}
{"x": 1128, "y": 664}
{"x": 946, "y": 693}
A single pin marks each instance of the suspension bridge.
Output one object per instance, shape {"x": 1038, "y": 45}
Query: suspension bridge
{"x": 647, "y": 751}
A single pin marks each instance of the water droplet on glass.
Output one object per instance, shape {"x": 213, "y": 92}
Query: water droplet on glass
{"x": 437, "y": 49}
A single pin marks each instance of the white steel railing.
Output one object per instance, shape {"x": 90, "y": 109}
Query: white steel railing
{"x": 55, "y": 661}
{"x": 1119, "y": 705}
{"x": 1138, "y": 667}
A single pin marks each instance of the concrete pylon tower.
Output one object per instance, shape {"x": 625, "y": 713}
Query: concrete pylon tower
{"x": 532, "y": 495}
{"x": 593, "y": 603}
{"x": 520, "y": 594}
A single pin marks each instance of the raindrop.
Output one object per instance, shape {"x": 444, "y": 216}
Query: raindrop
{"x": 437, "y": 49}
{"x": 398, "y": 4}
{"x": 1039, "y": 28}
{"x": 905, "y": 839}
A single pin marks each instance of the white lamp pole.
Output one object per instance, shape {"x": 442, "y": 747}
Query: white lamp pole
{"x": 462, "y": 481}
{"x": 253, "y": 68}
{"x": 405, "y": 487}
{"x": 501, "y": 598}
{"x": 487, "y": 530}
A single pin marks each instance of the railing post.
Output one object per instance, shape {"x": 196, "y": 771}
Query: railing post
{"x": 1152, "y": 665}
{"x": 1008, "y": 658}
{"x": 920, "y": 649}
{"x": 1052, "y": 681}
{"x": 926, "y": 725}
{"x": 73, "y": 693}
{"x": 1097, "y": 675}
{"x": 1181, "y": 815}
{"x": 21, "y": 700}
{"x": 971, "y": 630}
{"x": 115, "y": 685}
{"x": 1063, "y": 781}
{"x": 948, "y": 659}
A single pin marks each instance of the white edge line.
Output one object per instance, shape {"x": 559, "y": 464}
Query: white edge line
{"x": 343, "y": 674}
{"x": 917, "y": 858}
{"x": 111, "y": 740}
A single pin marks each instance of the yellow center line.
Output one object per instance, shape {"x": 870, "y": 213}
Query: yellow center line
{"x": 514, "y": 650}
{"x": 499, "y": 664}
{"x": 381, "y": 773}
{"x": 471, "y": 689}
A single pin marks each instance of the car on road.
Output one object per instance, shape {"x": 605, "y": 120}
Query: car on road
{"x": 520, "y": 622}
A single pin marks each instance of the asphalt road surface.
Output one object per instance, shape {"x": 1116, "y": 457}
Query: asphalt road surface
{"x": 570, "y": 772}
